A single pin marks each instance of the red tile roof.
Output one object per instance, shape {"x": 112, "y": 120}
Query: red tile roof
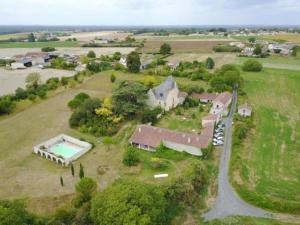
{"x": 205, "y": 96}
{"x": 153, "y": 136}
{"x": 210, "y": 117}
{"x": 208, "y": 131}
{"x": 224, "y": 97}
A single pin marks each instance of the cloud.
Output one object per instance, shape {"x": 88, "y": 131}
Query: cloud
{"x": 149, "y": 12}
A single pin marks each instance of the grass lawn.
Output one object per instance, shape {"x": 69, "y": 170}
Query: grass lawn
{"x": 185, "y": 120}
{"x": 276, "y": 62}
{"x": 266, "y": 170}
{"x": 38, "y": 44}
{"x": 295, "y": 38}
{"x": 24, "y": 174}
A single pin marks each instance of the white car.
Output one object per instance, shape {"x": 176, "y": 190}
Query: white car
{"x": 219, "y": 138}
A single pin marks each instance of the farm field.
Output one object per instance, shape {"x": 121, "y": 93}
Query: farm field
{"x": 10, "y": 80}
{"x": 9, "y": 52}
{"x": 276, "y": 62}
{"x": 195, "y": 46}
{"x": 88, "y": 36}
{"x": 294, "y": 38}
{"x": 4, "y": 37}
{"x": 265, "y": 171}
{"x": 38, "y": 44}
{"x": 20, "y": 167}
{"x": 219, "y": 58}
{"x": 183, "y": 37}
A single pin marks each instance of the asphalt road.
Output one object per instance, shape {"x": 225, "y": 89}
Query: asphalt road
{"x": 228, "y": 203}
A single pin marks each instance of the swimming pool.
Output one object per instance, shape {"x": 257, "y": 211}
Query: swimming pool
{"x": 65, "y": 150}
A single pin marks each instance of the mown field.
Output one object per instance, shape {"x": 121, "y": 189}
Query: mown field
{"x": 195, "y": 46}
{"x": 25, "y": 174}
{"x": 276, "y": 62}
{"x": 294, "y": 38}
{"x": 38, "y": 44}
{"x": 266, "y": 170}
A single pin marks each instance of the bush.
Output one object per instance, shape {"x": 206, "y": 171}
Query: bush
{"x": 226, "y": 48}
{"x": 7, "y": 105}
{"x": 20, "y": 93}
{"x": 131, "y": 157}
{"x": 32, "y": 97}
{"x": 42, "y": 94}
{"x": 48, "y": 49}
{"x": 78, "y": 100}
{"x": 252, "y": 65}
{"x": 209, "y": 64}
{"x": 165, "y": 49}
{"x": 112, "y": 77}
{"x": 91, "y": 54}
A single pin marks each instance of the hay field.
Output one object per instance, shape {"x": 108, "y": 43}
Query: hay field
{"x": 10, "y": 80}
{"x": 88, "y": 36}
{"x": 193, "y": 46}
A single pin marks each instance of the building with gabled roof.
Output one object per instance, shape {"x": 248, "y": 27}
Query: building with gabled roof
{"x": 245, "y": 110}
{"x": 221, "y": 103}
{"x": 166, "y": 95}
{"x": 149, "y": 138}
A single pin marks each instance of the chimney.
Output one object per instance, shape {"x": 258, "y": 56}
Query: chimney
{"x": 189, "y": 140}
{"x": 140, "y": 129}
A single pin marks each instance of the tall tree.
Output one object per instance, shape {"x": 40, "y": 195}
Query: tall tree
{"x": 133, "y": 62}
{"x": 72, "y": 170}
{"x": 85, "y": 189}
{"x": 210, "y": 64}
{"x": 31, "y": 37}
{"x": 165, "y": 49}
{"x": 81, "y": 171}
{"x": 129, "y": 98}
{"x": 129, "y": 202}
{"x": 61, "y": 181}
{"x": 33, "y": 80}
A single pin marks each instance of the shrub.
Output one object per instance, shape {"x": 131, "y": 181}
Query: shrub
{"x": 165, "y": 49}
{"x": 20, "y": 93}
{"x": 6, "y": 105}
{"x": 252, "y": 65}
{"x": 91, "y": 54}
{"x": 131, "y": 157}
{"x": 209, "y": 64}
{"x": 32, "y": 97}
{"x": 42, "y": 94}
{"x": 78, "y": 100}
{"x": 48, "y": 49}
{"x": 112, "y": 77}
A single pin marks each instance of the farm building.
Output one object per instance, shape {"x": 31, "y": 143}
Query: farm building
{"x": 148, "y": 138}
{"x": 166, "y": 95}
{"x": 204, "y": 97}
{"x": 221, "y": 103}
{"x": 173, "y": 64}
{"x": 245, "y": 110}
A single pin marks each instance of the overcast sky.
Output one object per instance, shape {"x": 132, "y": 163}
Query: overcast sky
{"x": 150, "y": 12}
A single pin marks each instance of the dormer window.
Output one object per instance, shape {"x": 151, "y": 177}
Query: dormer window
{"x": 161, "y": 94}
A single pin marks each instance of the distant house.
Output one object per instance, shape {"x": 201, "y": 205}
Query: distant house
{"x": 221, "y": 103}
{"x": 204, "y": 97}
{"x": 248, "y": 51}
{"x": 80, "y": 67}
{"x": 173, "y": 64}
{"x": 166, "y": 95}
{"x": 245, "y": 110}
{"x": 17, "y": 66}
{"x": 148, "y": 138}
{"x": 284, "y": 49}
{"x": 144, "y": 64}
{"x": 123, "y": 61}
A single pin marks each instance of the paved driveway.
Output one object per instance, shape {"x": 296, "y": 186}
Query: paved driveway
{"x": 228, "y": 203}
